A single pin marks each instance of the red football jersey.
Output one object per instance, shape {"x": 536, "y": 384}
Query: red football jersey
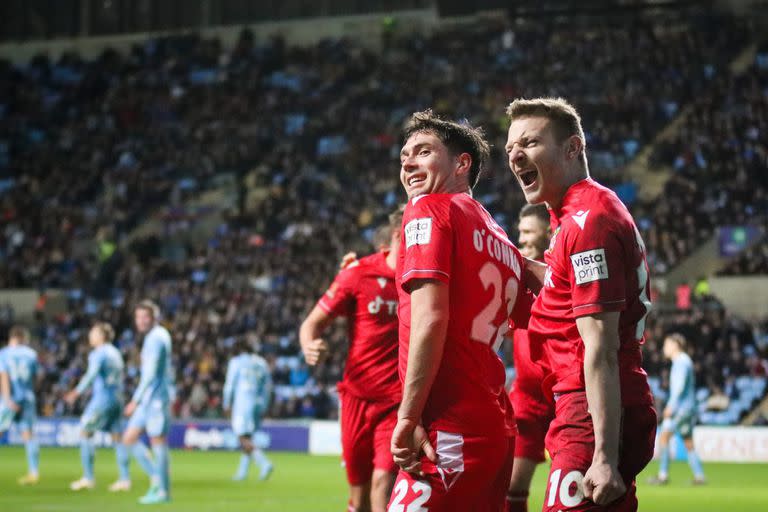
{"x": 595, "y": 263}
{"x": 365, "y": 293}
{"x": 452, "y": 238}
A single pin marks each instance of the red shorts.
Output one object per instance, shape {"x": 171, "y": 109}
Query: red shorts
{"x": 532, "y": 415}
{"x": 571, "y": 442}
{"x": 366, "y": 433}
{"x": 472, "y": 474}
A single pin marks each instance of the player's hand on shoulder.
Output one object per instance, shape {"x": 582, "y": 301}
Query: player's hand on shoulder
{"x": 409, "y": 441}
{"x": 347, "y": 260}
{"x": 315, "y": 352}
{"x": 603, "y": 483}
{"x": 13, "y": 406}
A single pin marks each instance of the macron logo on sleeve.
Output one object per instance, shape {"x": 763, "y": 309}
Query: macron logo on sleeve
{"x": 580, "y": 218}
{"x": 589, "y": 266}
{"x": 418, "y": 232}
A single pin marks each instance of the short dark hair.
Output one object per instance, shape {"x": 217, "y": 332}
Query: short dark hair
{"x": 106, "y": 330}
{"x": 20, "y": 333}
{"x": 458, "y": 138}
{"x": 150, "y": 306}
{"x": 677, "y": 338}
{"x": 535, "y": 210}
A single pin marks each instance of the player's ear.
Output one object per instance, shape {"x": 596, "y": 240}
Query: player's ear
{"x": 574, "y": 147}
{"x": 463, "y": 163}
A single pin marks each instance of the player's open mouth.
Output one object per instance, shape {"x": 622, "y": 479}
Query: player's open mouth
{"x": 416, "y": 180}
{"x": 528, "y": 178}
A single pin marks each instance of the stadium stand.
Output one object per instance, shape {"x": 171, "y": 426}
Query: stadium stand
{"x": 310, "y": 135}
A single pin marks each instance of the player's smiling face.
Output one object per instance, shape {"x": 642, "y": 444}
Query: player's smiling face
{"x": 428, "y": 167}
{"x": 537, "y": 159}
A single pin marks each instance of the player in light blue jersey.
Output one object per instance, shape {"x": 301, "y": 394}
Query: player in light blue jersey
{"x": 104, "y": 409}
{"x": 247, "y": 391}
{"x": 680, "y": 412}
{"x": 18, "y": 373}
{"x": 149, "y": 409}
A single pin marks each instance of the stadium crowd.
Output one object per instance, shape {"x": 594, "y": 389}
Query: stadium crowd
{"x": 93, "y": 149}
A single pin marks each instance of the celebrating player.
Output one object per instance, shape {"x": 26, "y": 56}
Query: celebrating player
{"x": 149, "y": 409}
{"x": 680, "y": 412}
{"x": 590, "y": 315}
{"x": 247, "y": 390}
{"x": 533, "y": 411}
{"x": 370, "y": 390}
{"x": 104, "y": 410}
{"x": 18, "y": 372}
{"x": 459, "y": 279}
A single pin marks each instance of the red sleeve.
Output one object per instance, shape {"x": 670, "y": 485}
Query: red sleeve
{"x": 428, "y": 239}
{"x": 595, "y": 265}
{"x": 338, "y": 300}
{"x": 521, "y": 312}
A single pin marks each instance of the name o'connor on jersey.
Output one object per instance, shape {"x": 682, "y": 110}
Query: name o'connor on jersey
{"x": 589, "y": 266}
{"x": 498, "y": 250}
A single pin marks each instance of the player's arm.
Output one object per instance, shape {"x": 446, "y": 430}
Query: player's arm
{"x": 229, "y": 386}
{"x": 313, "y": 346}
{"x": 676, "y": 386}
{"x": 533, "y": 274}
{"x": 429, "y": 325}
{"x": 84, "y": 384}
{"x": 5, "y": 390}
{"x": 600, "y": 333}
{"x": 150, "y": 369}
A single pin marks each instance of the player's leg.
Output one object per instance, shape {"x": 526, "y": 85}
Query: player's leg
{"x": 246, "y": 448}
{"x": 357, "y": 451}
{"x": 26, "y": 420}
{"x": 257, "y": 453}
{"x": 694, "y": 461}
{"x": 132, "y": 441}
{"x": 667, "y": 430}
{"x": 520, "y": 484}
{"x": 87, "y": 454}
{"x": 158, "y": 423}
{"x": 529, "y": 452}
{"x": 384, "y": 468}
{"x": 114, "y": 425}
{"x": 123, "y": 460}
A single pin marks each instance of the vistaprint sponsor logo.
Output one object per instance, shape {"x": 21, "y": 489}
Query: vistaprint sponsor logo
{"x": 418, "y": 232}
{"x": 589, "y": 266}
{"x": 378, "y": 305}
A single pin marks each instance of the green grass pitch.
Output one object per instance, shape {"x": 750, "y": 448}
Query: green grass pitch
{"x": 302, "y": 483}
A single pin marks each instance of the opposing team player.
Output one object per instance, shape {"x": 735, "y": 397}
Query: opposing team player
{"x": 247, "y": 390}
{"x": 18, "y": 373}
{"x": 149, "y": 408}
{"x": 104, "y": 409}
{"x": 369, "y": 392}
{"x": 590, "y": 315}
{"x": 533, "y": 411}
{"x": 459, "y": 280}
{"x": 680, "y": 412}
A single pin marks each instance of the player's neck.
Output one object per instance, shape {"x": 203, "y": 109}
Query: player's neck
{"x": 391, "y": 260}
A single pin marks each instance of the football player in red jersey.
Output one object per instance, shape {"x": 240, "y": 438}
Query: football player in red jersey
{"x": 590, "y": 315}
{"x": 459, "y": 280}
{"x": 533, "y": 411}
{"x": 369, "y": 392}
